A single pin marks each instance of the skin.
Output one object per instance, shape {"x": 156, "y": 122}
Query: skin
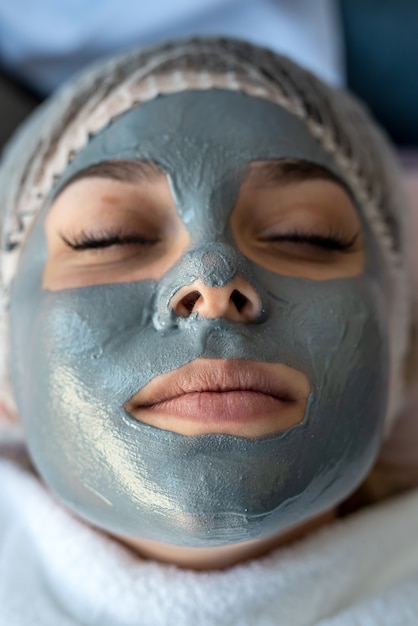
{"x": 267, "y": 213}
{"x": 316, "y": 207}
{"x": 204, "y": 559}
{"x": 93, "y": 359}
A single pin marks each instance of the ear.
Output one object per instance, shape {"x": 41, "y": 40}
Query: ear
{"x": 12, "y": 439}
{"x": 8, "y": 412}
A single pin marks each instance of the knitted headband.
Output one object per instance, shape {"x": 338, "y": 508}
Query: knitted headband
{"x": 41, "y": 150}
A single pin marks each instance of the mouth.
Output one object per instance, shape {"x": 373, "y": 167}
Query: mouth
{"x": 242, "y": 398}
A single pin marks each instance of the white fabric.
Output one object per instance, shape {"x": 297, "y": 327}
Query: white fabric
{"x": 46, "y": 41}
{"x": 56, "y": 571}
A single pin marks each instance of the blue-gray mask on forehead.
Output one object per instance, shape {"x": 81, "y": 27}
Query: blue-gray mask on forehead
{"x": 78, "y": 355}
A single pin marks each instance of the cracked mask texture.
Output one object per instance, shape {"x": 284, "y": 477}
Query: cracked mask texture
{"x": 79, "y": 354}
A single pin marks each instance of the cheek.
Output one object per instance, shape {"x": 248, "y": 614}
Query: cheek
{"x": 335, "y": 330}
{"x": 79, "y": 355}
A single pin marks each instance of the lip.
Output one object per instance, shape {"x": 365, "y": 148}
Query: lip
{"x": 237, "y": 397}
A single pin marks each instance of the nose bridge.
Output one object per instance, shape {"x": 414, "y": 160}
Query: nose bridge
{"x": 218, "y": 264}
{"x": 215, "y": 265}
{"x": 212, "y": 265}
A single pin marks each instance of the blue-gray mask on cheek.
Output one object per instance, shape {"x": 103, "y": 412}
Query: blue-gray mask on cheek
{"x": 80, "y": 354}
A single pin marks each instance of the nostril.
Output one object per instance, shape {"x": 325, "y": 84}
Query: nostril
{"x": 239, "y": 300}
{"x": 236, "y": 301}
{"x": 188, "y": 302}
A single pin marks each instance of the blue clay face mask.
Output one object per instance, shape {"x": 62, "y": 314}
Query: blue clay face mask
{"x": 83, "y": 355}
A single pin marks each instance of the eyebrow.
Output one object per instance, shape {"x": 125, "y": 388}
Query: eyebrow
{"x": 271, "y": 173}
{"x": 261, "y": 174}
{"x": 121, "y": 170}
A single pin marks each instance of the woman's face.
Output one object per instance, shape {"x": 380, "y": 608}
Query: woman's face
{"x": 198, "y": 326}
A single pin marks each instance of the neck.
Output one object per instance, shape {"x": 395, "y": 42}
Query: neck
{"x": 220, "y": 558}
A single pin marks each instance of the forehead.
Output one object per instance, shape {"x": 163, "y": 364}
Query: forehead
{"x": 204, "y": 141}
{"x": 199, "y": 137}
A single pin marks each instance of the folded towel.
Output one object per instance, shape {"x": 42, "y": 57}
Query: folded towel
{"x": 57, "y": 571}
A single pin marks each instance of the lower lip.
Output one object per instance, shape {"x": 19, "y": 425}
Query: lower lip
{"x": 217, "y": 408}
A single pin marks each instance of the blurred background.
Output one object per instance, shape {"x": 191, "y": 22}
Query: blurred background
{"x": 370, "y": 46}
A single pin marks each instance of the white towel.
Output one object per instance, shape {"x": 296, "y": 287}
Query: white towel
{"x": 57, "y": 571}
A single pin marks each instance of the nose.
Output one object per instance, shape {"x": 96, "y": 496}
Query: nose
{"x": 236, "y": 301}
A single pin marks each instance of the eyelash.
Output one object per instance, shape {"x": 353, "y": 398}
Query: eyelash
{"x": 332, "y": 241}
{"x": 88, "y": 241}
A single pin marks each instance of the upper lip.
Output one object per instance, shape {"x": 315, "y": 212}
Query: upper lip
{"x": 208, "y": 375}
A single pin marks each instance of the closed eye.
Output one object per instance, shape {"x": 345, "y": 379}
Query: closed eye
{"x": 329, "y": 242}
{"x": 90, "y": 241}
